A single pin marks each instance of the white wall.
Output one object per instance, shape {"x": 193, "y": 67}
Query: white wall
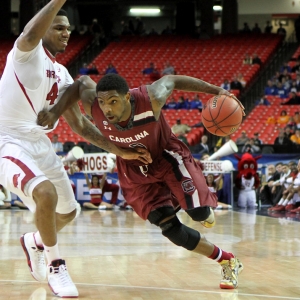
{"x": 15, "y": 5}
{"x": 251, "y": 7}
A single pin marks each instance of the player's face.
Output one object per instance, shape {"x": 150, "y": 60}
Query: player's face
{"x": 115, "y": 107}
{"x": 57, "y": 37}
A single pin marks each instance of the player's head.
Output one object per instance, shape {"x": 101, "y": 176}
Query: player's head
{"x": 114, "y": 98}
{"x": 57, "y": 36}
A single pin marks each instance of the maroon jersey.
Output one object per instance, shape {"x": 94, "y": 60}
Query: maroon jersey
{"x": 173, "y": 178}
{"x": 142, "y": 130}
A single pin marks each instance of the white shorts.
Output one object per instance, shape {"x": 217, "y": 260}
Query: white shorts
{"x": 24, "y": 164}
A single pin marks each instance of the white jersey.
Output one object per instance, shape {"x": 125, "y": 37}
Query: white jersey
{"x": 31, "y": 82}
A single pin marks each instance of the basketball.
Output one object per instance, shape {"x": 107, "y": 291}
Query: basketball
{"x": 222, "y": 115}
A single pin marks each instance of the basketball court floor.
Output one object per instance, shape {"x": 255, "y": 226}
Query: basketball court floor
{"x": 114, "y": 255}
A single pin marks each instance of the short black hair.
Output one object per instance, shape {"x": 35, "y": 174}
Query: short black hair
{"x": 110, "y": 82}
{"x": 62, "y": 12}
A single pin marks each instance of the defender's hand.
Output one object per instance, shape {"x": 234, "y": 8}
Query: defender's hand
{"x": 224, "y": 92}
{"x": 46, "y": 118}
{"x": 140, "y": 154}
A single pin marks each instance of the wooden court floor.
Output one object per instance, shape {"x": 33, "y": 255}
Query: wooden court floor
{"x": 115, "y": 255}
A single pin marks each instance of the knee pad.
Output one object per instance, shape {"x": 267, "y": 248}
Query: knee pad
{"x": 199, "y": 213}
{"x": 157, "y": 215}
{"x": 179, "y": 234}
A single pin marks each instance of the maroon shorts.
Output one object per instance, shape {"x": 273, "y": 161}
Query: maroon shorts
{"x": 172, "y": 180}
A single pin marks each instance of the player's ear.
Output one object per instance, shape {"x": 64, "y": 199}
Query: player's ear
{"x": 127, "y": 97}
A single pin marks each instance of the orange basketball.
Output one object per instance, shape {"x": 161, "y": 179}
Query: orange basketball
{"x": 222, "y": 115}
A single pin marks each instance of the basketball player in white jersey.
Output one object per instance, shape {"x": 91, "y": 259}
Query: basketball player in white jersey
{"x": 33, "y": 81}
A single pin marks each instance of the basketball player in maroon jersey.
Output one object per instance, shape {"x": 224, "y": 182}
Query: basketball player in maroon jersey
{"x": 132, "y": 118}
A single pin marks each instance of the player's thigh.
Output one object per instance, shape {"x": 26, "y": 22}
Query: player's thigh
{"x": 56, "y": 173}
{"x": 20, "y": 173}
{"x": 146, "y": 197}
{"x": 187, "y": 183}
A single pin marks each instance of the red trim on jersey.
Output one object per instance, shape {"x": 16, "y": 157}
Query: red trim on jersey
{"x": 24, "y": 91}
{"x": 28, "y": 173}
{"x": 49, "y": 55}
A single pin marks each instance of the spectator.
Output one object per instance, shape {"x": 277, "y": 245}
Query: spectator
{"x": 270, "y": 89}
{"x": 153, "y": 32}
{"x": 258, "y": 142}
{"x": 296, "y": 118}
{"x": 268, "y": 28}
{"x": 295, "y": 138}
{"x": 294, "y": 99}
{"x": 152, "y": 72}
{"x": 262, "y": 101}
{"x": 288, "y": 132}
{"x": 93, "y": 70}
{"x": 265, "y": 193}
{"x": 247, "y": 60}
{"x": 97, "y": 187}
{"x": 182, "y": 104}
{"x": 183, "y": 138}
{"x": 283, "y": 118}
{"x": 296, "y": 67}
{"x": 292, "y": 124}
{"x": 167, "y": 31}
{"x": 196, "y": 103}
{"x": 110, "y": 69}
{"x": 126, "y": 30}
{"x": 235, "y": 84}
{"x": 84, "y": 70}
{"x": 280, "y": 91}
{"x": 281, "y": 30}
{"x": 256, "y": 60}
{"x": 241, "y": 79}
{"x": 149, "y": 70}
{"x": 203, "y": 146}
{"x": 168, "y": 70}
{"x": 172, "y": 104}
{"x": 225, "y": 85}
{"x": 294, "y": 87}
{"x": 285, "y": 67}
{"x": 241, "y": 141}
{"x": 179, "y": 128}
{"x": 250, "y": 147}
{"x": 57, "y": 146}
{"x": 256, "y": 29}
{"x": 97, "y": 31}
{"x": 246, "y": 28}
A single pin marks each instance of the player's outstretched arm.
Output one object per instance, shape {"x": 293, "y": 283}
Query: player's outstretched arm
{"x": 83, "y": 127}
{"x": 37, "y": 27}
{"x": 83, "y": 88}
{"x": 161, "y": 89}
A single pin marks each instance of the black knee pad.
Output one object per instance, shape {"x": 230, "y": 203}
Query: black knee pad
{"x": 179, "y": 234}
{"x": 199, "y": 213}
{"x": 157, "y": 215}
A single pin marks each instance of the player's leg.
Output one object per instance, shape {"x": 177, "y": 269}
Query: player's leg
{"x": 191, "y": 239}
{"x": 187, "y": 183}
{"x": 114, "y": 189}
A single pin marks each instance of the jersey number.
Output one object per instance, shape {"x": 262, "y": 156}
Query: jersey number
{"x": 52, "y": 95}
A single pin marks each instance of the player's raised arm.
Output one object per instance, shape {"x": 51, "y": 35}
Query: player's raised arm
{"x": 37, "y": 27}
{"x": 161, "y": 89}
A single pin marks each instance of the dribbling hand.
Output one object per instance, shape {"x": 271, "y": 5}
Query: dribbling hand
{"x": 46, "y": 118}
{"x": 224, "y": 92}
